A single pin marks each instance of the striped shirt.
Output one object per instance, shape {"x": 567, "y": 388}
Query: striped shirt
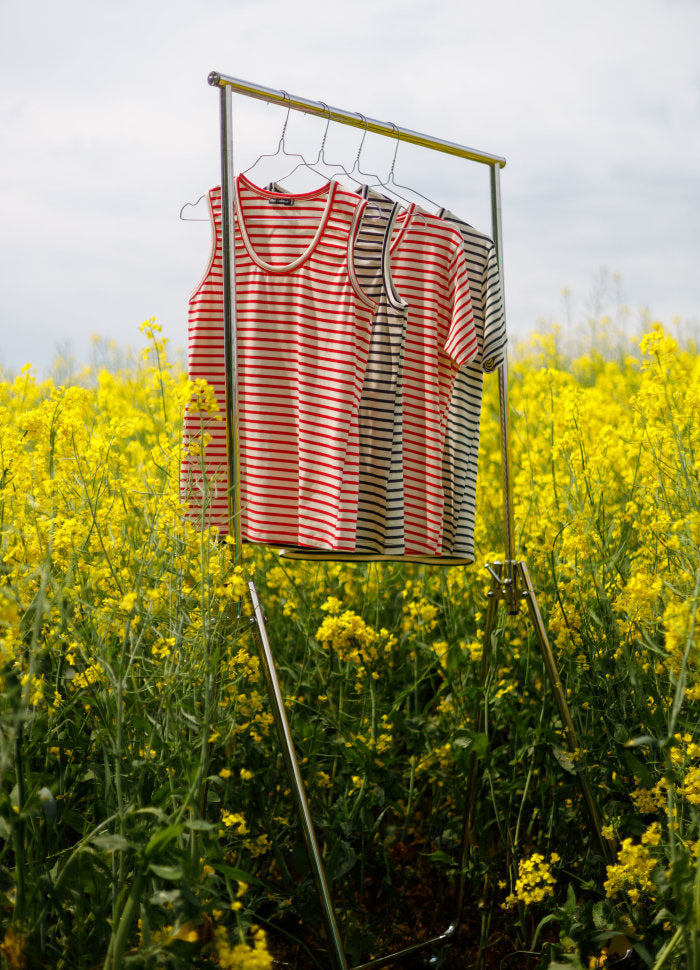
{"x": 380, "y": 512}
{"x": 460, "y": 459}
{"x": 303, "y": 331}
{"x": 462, "y": 441}
{"x": 404, "y": 481}
{"x": 428, "y": 267}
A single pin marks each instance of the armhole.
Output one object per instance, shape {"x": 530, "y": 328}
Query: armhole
{"x": 212, "y": 250}
{"x": 352, "y": 237}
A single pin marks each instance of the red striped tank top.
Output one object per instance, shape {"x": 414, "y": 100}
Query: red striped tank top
{"x": 303, "y": 328}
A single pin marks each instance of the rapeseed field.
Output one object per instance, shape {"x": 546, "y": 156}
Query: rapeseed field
{"x": 146, "y": 819}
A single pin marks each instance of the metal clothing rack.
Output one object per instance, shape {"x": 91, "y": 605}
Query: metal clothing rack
{"x": 510, "y": 580}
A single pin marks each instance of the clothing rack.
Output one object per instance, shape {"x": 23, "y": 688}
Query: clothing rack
{"x": 510, "y": 580}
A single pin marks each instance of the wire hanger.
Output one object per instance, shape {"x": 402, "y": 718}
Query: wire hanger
{"x": 361, "y": 178}
{"x": 348, "y": 174}
{"x": 193, "y": 205}
{"x": 356, "y": 163}
{"x": 281, "y": 147}
{"x": 387, "y": 183}
{"x": 392, "y": 185}
{"x": 320, "y": 158}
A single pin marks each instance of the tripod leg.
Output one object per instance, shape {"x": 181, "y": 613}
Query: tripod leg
{"x": 562, "y": 706}
{"x": 468, "y": 832}
{"x": 285, "y": 737}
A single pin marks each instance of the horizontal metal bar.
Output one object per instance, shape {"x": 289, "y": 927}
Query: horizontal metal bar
{"x": 348, "y": 118}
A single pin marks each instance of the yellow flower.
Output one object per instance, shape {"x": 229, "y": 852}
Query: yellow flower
{"x": 652, "y": 835}
{"x": 235, "y": 820}
{"x": 691, "y": 786}
{"x": 243, "y": 956}
{"x": 535, "y": 881}
{"x": 332, "y": 605}
{"x": 631, "y": 873}
{"x": 128, "y": 601}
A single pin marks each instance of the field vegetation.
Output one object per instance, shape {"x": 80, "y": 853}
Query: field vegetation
{"x": 146, "y": 819}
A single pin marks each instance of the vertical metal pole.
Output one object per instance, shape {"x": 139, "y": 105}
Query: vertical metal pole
{"x": 233, "y": 466}
{"x": 230, "y": 348}
{"x": 470, "y": 809}
{"x": 506, "y": 465}
{"x": 292, "y": 765}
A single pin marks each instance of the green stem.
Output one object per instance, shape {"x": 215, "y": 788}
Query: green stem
{"x": 18, "y": 828}
{"x": 119, "y": 741}
{"x": 209, "y": 679}
{"x": 18, "y": 831}
{"x": 123, "y": 927}
{"x": 695, "y": 936}
{"x": 409, "y": 803}
{"x": 668, "y": 949}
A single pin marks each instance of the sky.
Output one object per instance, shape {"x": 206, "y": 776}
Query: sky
{"x": 108, "y": 127}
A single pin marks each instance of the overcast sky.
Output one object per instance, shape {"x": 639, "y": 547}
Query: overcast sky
{"x": 108, "y": 126}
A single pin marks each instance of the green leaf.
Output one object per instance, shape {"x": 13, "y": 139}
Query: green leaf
{"x": 162, "y": 837}
{"x": 240, "y": 875}
{"x": 570, "y": 904}
{"x": 439, "y": 856}
{"x": 465, "y": 739}
{"x": 541, "y": 925}
{"x": 638, "y": 769}
{"x": 564, "y": 760}
{"x": 111, "y": 842}
{"x": 600, "y": 919}
{"x": 199, "y": 825}
{"x": 173, "y": 873}
{"x": 643, "y": 741}
{"x": 166, "y": 897}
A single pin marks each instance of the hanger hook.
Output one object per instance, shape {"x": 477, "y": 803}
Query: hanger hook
{"x": 325, "y": 133}
{"x": 284, "y": 126}
{"x": 396, "y": 150}
{"x": 362, "y": 141}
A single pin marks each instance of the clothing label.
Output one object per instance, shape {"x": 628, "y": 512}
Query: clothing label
{"x": 283, "y": 201}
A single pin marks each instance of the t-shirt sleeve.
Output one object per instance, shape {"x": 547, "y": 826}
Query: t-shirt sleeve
{"x": 461, "y": 345}
{"x": 495, "y": 338}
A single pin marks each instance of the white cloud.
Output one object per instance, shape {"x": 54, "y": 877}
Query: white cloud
{"x": 108, "y": 127}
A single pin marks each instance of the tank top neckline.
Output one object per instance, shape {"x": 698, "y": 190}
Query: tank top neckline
{"x": 401, "y": 221}
{"x": 405, "y": 219}
{"x": 327, "y": 189}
